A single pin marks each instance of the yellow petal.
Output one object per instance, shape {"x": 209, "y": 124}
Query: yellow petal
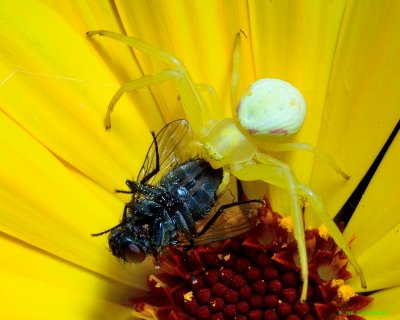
{"x": 44, "y": 286}
{"x": 56, "y": 83}
{"x": 60, "y": 96}
{"x": 205, "y": 47}
{"x": 362, "y": 102}
{"x": 285, "y": 46}
{"x": 383, "y": 306}
{"x": 29, "y": 298}
{"x": 379, "y": 262}
{"x": 44, "y": 204}
{"x": 376, "y": 224}
{"x": 378, "y": 210}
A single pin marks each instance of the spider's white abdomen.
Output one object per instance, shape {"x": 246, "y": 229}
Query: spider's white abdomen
{"x": 271, "y": 108}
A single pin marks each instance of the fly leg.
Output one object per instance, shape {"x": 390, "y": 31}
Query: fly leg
{"x": 157, "y": 168}
{"x": 141, "y": 188}
{"x": 157, "y": 232}
{"x": 131, "y": 184}
{"x": 187, "y": 226}
{"x": 186, "y": 261}
{"x": 115, "y": 227}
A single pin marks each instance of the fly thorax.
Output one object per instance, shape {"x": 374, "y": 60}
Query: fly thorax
{"x": 182, "y": 193}
{"x": 146, "y": 208}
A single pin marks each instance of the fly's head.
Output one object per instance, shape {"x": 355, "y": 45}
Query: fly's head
{"x": 130, "y": 242}
{"x": 126, "y": 246}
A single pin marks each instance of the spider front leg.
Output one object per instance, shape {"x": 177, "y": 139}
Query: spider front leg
{"x": 193, "y": 103}
{"x": 279, "y": 174}
{"x": 133, "y": 85}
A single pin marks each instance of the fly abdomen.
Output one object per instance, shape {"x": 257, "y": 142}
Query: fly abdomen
{"x": 195, "y": 183}
{"x": 202, "y": 199}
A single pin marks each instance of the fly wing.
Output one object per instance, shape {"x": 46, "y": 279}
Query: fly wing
{"x": 233, "y": 221}
{"x": 172, "y": 143}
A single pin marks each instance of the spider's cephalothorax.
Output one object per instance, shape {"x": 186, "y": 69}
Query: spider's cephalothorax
{"x": 183, "y": 207}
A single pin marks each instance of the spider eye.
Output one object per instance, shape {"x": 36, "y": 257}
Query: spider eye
{"x": 134, "y": 253}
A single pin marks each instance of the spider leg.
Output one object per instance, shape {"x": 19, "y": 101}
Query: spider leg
{"x": 319, "y": 208}
{"x": 193, "y": 103}
{"x": 279, "y": 174}
{"x": 186, "y": 224}
{"x": 214, "y": 102}
{"x": 277, "y": 147}
{"x": 133, "y": 85}
{"x": 225, "y": 180}
{"x": 235, "y": 76}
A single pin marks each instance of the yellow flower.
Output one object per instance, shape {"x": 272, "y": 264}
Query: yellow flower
{"x": 59, "y": 166}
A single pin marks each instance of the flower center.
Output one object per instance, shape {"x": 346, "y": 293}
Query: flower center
{"x": 246, "y": 278}
{"x": 245, "y": 283}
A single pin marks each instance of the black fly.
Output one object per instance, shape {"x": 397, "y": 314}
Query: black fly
{"x": 175, "y": 202}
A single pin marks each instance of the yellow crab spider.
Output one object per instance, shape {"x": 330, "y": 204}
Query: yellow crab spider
{"x": 268, "y": 110}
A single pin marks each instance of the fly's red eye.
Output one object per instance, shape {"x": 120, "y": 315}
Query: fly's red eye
{"x": 134, "y": 253}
